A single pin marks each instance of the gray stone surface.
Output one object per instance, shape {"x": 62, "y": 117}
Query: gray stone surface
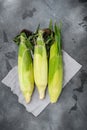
{"x": 70, "y": 113}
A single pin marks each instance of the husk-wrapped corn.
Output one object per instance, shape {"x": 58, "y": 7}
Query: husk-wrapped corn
{"x": 55, "y": 68}
{"x": 40, "y": 65}
{"x": 25, "y": 69}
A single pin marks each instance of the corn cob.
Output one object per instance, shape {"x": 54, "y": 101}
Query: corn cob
{"x": 25, "y": 69}
{"x": 40, "y": 65}
{"x": 55, "y": 68}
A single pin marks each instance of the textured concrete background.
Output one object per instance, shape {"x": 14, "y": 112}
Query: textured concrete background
{"x": 70, "y": 113}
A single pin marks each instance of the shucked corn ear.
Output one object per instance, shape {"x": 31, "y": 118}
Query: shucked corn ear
{"x": 25, "y": 69}
{"x": 55, "y": 67}
{"x": 40, "y": 65}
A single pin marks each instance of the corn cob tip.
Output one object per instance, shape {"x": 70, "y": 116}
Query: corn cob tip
{"x": 53, "y": 100}
{"x": 41, "y": 94}
{"x": 27, "y": 98}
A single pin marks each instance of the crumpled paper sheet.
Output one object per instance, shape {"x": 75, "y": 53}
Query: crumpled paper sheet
{"x": 36, "y": 106}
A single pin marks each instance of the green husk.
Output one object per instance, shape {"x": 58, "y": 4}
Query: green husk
{"x": 40, "y": 65}
{"x": 25, "y": 68}
{"x": 55, "y": 67}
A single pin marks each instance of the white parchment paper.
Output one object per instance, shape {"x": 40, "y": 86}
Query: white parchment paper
{"x": 36, "y": 106}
